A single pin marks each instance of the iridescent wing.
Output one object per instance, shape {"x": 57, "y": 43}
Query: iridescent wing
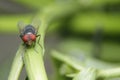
{"x": 21, "y": 27}
{"x": 36, "y": 24}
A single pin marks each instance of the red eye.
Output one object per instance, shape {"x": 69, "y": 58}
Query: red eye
{"x": 29, "y": 37}
{"x": 32, "y": 37}
{"x": 25, "y": 38}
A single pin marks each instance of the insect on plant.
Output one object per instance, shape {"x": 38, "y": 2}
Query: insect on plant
{"x": 28, "y": 34}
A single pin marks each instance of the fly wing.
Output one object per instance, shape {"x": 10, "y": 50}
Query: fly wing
{"x": 36, "y": 24}
{"x": 21, "y": 27}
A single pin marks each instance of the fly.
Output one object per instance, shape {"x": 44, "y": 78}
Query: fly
{"x": 28, "y": 34}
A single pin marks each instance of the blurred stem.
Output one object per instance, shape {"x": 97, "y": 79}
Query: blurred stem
{"x": 86, "y": 74}
{"x": 66, "y": 59}
{"x": 90, "y": 74}
{"x": 110, "y": 73}
{"x": 98, "y": 35}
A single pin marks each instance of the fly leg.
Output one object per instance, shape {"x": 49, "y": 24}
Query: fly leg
{"x": 39, "y": 36}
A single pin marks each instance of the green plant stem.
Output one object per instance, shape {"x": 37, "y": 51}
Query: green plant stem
{"x": 34, "y": 65}
{"x": 17, "y": 65}
{"x": 67, "y": 60}
{"x": 110, "y": 73}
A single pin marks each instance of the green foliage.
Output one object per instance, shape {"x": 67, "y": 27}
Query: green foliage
{"x": 36, "y": 3}
{"x": 74, "y": 60}
{"x": 88, "y": 22}
{"x": 8, "y": 23}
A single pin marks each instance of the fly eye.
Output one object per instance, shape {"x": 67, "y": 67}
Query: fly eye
{"x": 33, "y": 37}
{"x": 25, "y": 38}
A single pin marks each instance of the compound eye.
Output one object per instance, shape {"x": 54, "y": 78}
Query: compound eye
{"x": 33, "y": 37}
{"x": 25, "y": 38}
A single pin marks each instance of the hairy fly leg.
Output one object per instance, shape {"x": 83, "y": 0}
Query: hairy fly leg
{"x": 39, "y": 36}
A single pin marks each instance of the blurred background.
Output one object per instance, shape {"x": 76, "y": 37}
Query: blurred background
{"x": 93, "y": 30}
